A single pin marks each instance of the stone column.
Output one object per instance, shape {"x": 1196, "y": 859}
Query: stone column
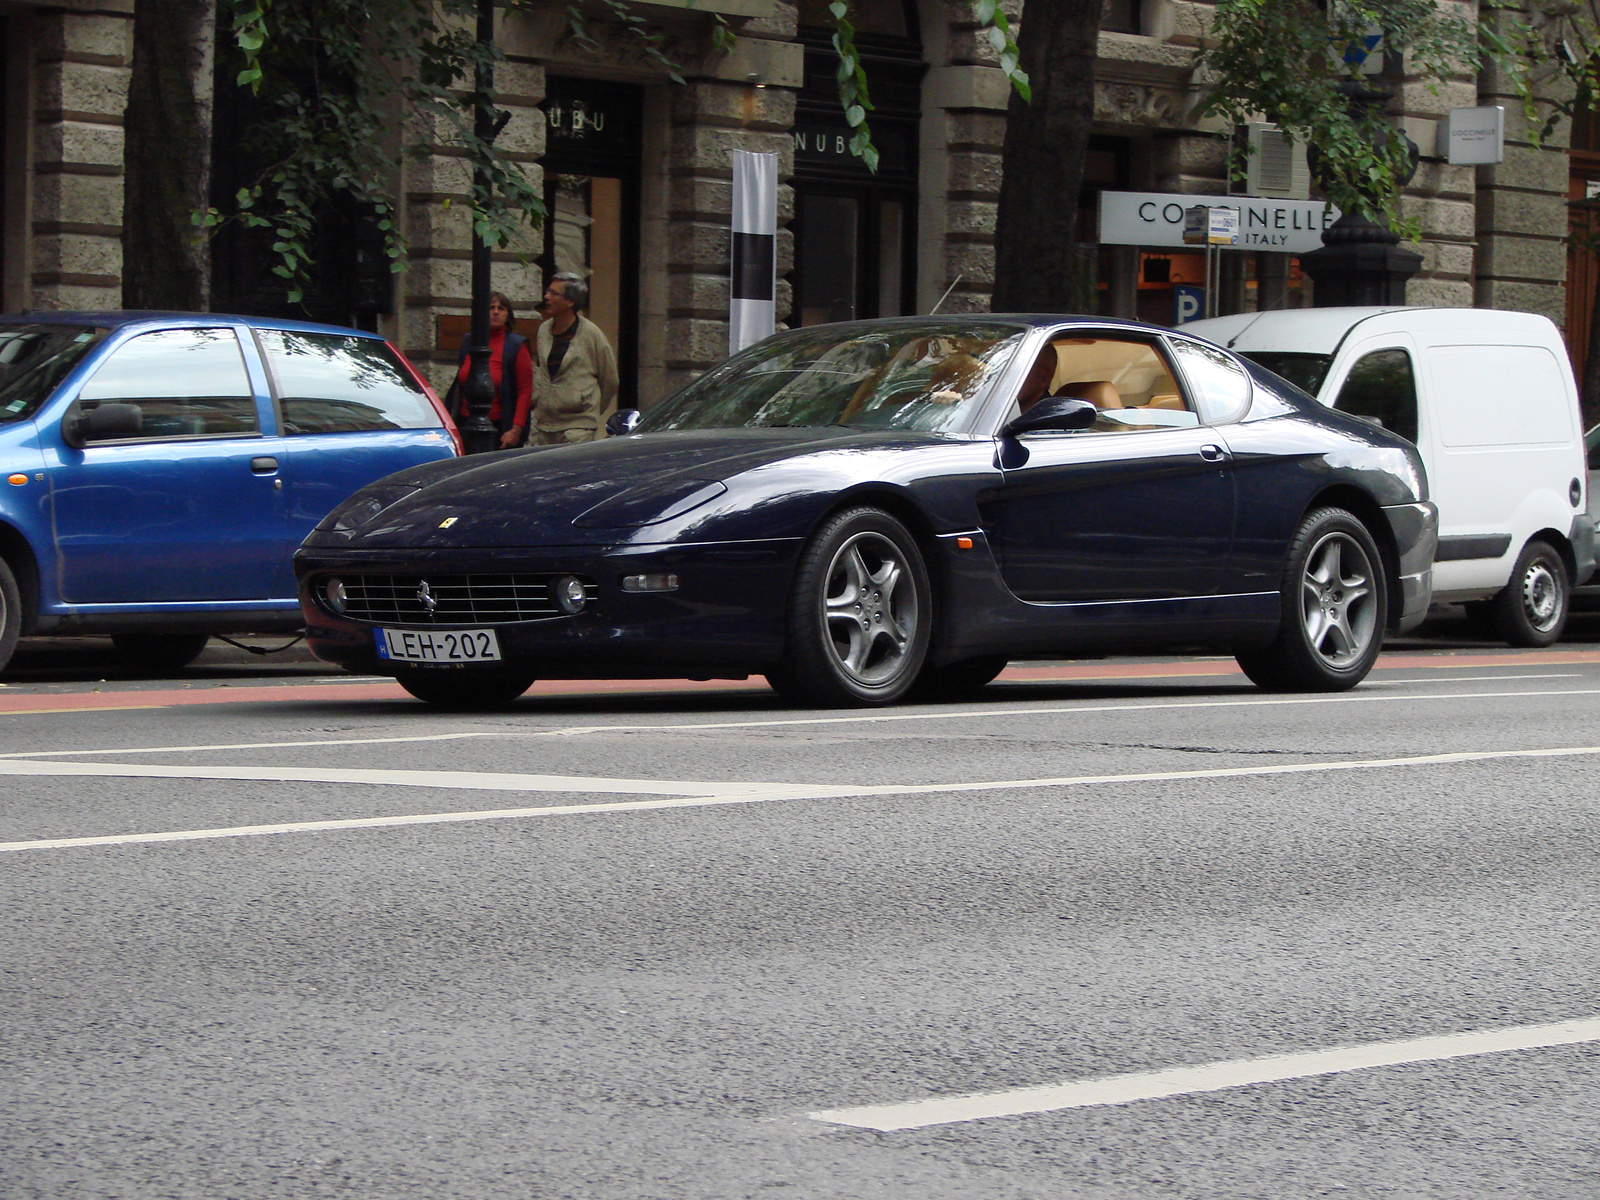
{"x": 81, "y": 68}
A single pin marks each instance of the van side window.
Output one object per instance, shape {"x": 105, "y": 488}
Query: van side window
{"x": 1382, "y": 388}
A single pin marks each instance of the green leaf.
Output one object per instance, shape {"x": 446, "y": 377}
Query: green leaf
{"x": 854, "y": 115}
{"x": 986, "y": 11}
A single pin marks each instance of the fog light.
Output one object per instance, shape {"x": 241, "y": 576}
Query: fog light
{"x": 569, "y": 594}
{"x": 649, "y": 583}
{"x": 334, "y": 591}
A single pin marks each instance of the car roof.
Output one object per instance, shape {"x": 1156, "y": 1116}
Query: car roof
{"x": 1321, "y": 330}
{"x": 121, "y": 318}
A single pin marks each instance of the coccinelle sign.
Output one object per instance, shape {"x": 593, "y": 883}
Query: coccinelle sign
{"x": 1157, "y": 219}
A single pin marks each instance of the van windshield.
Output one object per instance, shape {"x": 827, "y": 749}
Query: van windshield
{"x": 33, "y": 359}
{"x": 1305, "y": 371}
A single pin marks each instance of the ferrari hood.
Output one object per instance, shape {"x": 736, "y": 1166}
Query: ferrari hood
{"x": 591, "y": 493}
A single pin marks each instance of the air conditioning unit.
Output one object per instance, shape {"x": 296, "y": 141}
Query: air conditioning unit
{"x": 1276, "y": 166}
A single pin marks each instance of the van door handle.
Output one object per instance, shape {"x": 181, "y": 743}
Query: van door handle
{"x": 1213, "y": 454}
{"x": 265, "y": 465}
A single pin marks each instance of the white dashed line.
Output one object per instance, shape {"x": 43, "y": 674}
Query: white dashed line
{"x": 686, "y": 794}
{"x": 1211, "y": 1077}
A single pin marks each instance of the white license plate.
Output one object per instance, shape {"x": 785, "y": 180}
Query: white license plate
{"x": 438, "y": 645}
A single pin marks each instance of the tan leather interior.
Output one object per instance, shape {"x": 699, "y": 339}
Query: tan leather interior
{"x": 1171, "y": 400}
{"x": 1099, "y": 392}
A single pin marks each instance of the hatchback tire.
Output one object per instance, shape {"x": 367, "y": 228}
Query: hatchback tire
{"x": 1334, "y": 606}
{"x": 1531, "y": 610}
{"x": 10, "y": 614}
{"x": 160, "y": 653}
{"x": 464, "y": 690}
{"x": 958, "y": 680}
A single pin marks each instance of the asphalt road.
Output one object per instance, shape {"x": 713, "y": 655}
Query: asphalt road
{"x": 276, "y": 931}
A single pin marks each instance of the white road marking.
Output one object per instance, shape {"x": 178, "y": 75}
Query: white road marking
{"x": 1211, "y": 1077}
{"x": 688, "y": 794}
{"x": 996, "y": 711}
{"x": 375, "y": 741}
{"x": 1479, "y": 678}
{"x": 1064, "y": 709}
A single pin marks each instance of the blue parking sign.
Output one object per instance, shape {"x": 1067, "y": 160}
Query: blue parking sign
{"x": 1188, "y": 303}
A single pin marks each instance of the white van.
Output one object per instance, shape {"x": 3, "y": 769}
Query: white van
{"x": 1489, "y": 400}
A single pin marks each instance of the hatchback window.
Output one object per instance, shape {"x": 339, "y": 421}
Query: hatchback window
{"x": 34, "y": 359}
{"x": 336, "y": 383}
{"x": 185, "y": 382}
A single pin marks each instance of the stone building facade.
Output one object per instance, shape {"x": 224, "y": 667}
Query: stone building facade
{"x": 635, "y": 170}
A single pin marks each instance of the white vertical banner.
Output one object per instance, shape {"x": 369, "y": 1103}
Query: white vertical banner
{"x": 752, "y": 275}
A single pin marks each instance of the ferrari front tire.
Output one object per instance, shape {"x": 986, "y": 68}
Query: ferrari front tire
{"x": 464, "y": 690}
{"x": 860, "y": 613}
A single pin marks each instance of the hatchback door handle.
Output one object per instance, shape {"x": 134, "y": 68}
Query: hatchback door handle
{"x": 1213, "y": 454}
{"x": 265, "y": 465}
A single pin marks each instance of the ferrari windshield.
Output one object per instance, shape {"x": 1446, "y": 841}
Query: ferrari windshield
{"x": 922, "y": 375}
{"x": 33, "y": 359}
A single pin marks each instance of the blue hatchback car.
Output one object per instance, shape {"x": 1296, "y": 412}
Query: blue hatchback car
{"x": 160, "y": 468}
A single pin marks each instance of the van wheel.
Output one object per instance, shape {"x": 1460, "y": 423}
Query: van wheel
{"x": 1531, "y": 610}
{"x": 1335, "y": 602}
{"x": 160, "y": 653}
{"x": 10, "y": 614}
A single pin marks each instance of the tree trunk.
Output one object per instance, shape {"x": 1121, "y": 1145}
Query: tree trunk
{"x": 167, "y": 156}
{"x": 1036, "y": 231}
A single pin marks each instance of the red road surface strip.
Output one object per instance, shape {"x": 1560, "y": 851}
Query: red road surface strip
{"x": 335, "y": 690}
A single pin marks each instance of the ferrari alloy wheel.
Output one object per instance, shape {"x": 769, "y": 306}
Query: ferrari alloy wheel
{"x": 1334, "y": 606}
{"x": 464, "y": 690}
{"x": 860, "y": 614}
{"x": 160, "y": 653}
{"x": 1531, "y": 610}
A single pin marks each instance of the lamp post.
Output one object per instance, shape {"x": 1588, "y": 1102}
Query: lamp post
{"x": 478, "y": 433}
{"x": 1361, "y": 260}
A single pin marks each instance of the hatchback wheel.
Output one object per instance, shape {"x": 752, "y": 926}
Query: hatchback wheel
{"x": 859, "y": 614}
{"x": 957, "y": 680}
{"x": 10, "y": 613}
{"x": 1531, "y": 610}
{"x": 1334, "y": 606}
{"x": 464, "y": 690}
{"x": 160, "y": 653}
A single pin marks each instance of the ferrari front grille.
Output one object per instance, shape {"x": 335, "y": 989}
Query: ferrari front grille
{"x": 475, "y": 599}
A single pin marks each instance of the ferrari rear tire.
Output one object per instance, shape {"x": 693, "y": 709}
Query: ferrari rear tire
{"x": 956, "y": 680}
{"x": 464, "y": 690}
{"x": 160, "y": 653}
{"x": 1531, "y": 610}
{"x": 1335, "y": 603}
{"x": 860, "y": 613}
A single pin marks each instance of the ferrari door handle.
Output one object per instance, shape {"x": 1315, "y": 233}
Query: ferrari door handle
{"x": 1213, "y": 454}
{"x": 265, "y": 465}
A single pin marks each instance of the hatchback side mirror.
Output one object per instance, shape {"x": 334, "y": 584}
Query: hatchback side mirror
{"x": 622, "y": 421}
{"x": 1054, "y": 412}
{"x": 102, "y": 422}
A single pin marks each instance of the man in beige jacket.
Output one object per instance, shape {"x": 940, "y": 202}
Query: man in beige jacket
{"x": 574, "y": 368}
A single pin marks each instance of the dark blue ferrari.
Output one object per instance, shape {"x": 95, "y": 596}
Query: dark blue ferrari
{"x": 875, "y": 509}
